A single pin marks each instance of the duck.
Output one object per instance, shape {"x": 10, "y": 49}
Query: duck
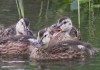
{"x": 19, "y": 43}
{"x": 66, "y": 30}
{"x": 62, "y": 30}
{"x": 50, "y": 49}
{"x": 52, "y": 29}
{"x": 20, "y": 28}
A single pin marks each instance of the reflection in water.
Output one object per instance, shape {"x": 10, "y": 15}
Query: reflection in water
{"x": 62, "y": 64}
{"x": 25, "y": 64}
{"x": 13, "y": 62}
{"x": 13, "y": 65}
{"x": 88, "y": 64}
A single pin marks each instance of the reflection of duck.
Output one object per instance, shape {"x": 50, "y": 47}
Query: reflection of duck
{"x": 41, "y": 32}
{"x": 70, "y": 49}
{"x": 67, "y": 30}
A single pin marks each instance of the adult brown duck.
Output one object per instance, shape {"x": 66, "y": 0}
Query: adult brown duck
{"x": 17, "y": 46}
{"x": 50, "y": 49}
{"x": 18, "y": 43}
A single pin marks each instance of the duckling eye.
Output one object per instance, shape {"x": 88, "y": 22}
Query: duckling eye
{"x": 65, "y": 22}
{"x": 54, "y": 26}
{"x": 45, "y": 35}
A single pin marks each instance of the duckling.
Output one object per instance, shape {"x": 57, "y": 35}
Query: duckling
{"x": 20, "y": 42}
{"x": 67, "y": 30}
{"x": 62, "y": 31}
{"x": 22, "y": 27}
{"x": 69, "y": 49}
{"x": 52, "y": 29}
{"x": 41, "y": 32}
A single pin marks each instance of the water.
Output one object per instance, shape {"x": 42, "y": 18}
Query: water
{"x": 57, "y": 8}
{"x": 89, "y": 64}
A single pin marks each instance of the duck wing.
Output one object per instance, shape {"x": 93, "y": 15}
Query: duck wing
{"x": 75, "y": 33}
{"x": 71, "y": 47}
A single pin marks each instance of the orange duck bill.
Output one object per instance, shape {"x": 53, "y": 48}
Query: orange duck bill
{"x": 55, "y": 30}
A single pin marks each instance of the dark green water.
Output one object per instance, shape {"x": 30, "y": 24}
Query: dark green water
{"x": 51, "y": 12}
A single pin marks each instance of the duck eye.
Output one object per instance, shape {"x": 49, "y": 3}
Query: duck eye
{"x": 45, "y": 35}
{"x": 65, "y": 22}
{"x": 54, "y": 26}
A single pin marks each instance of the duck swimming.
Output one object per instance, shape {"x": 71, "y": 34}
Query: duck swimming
{"x": 68, "y": 31}
{"x": 62, "y": 31}
{"x": 69, "y": 49}
{"x": 19, "y": 43}
{"x": 21, "y": 28}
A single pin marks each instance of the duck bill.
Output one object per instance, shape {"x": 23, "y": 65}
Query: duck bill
{"x": 54, "y": 31}
{"x": 58, "y": 29}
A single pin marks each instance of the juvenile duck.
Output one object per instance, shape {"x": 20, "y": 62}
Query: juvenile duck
{"x": 67, "y": 30}
{"x": 52, "y": 29}
{"x": 62, "y": 31}
{"x": 21, "y": 28}
{"x": 20, "y": 42}
{"x": 70, "y": 49}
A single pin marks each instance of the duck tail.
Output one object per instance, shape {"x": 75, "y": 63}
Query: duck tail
{"x": 92, "y": 50}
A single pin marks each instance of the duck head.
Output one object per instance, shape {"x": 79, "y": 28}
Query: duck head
{"x": 41, "y": 33}
{"x": 22, "y": 26}
{"x": 45, "y": 39}
{"x": 65, "y": 24}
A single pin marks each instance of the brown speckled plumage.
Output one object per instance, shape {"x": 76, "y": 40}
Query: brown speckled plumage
{"x": 63, "y": 50}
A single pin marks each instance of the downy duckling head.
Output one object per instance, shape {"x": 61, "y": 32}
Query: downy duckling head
{"x": 54, "y": 29}
{"x": 65, "y": 24}
{"x": 41, "y": 32}
{"x": 45, "y": 39}
{"x": 51, "y": 30}
{"x": 22, "y": 26}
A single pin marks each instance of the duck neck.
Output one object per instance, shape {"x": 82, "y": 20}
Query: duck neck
{"x": 45, "y": 45}
{"x": 66, "y": 31}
